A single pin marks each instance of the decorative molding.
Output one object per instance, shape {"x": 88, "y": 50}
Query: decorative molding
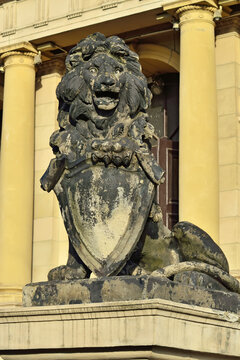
{"x": 8, "y": 32}
{"x": 11, "y": 53}
{"x": 41, "y": 13}
{"x": 195, "y": 7}
{"x": 74, "y": 15}
{"x": 228, "y": 24}
{"x": 9, "y": 18}
{"x": 74, "y": 9}
{"x": 109, "y": 4}
{"x": 42, "y": 23}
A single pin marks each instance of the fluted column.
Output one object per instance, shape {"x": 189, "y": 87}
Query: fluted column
{"x": 198, "y": 178}
{"x": 16, "y": 175}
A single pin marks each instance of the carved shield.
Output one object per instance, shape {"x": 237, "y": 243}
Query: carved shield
{"x": 104, "y": 210}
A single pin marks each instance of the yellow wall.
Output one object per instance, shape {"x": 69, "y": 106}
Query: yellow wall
{"x": 49, "y": 236}
{"x": 228, "y": 90}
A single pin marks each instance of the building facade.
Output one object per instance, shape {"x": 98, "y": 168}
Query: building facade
{"x": 190, "y": 53}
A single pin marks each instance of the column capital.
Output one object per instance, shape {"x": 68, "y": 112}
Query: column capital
{"x": 173, "y": 5}
{"x": 195, "y": 13}
{"x": 23, "y": 46}
{"x": 16, "y": 58}
{"x": 23, "y": 52}
{"x": 195, "y": 7}
{"x": 13, "y": 53}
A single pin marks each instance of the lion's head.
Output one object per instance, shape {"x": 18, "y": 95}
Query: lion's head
{"x": 103, "y": 80}
{"x": 103, "y": 99}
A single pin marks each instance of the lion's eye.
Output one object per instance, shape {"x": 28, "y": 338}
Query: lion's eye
{"x": 93, "y": 70}
{"x": 118, "y": 70}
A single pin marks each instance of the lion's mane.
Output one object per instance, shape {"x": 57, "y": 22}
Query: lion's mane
{"x": 74, "y": 94}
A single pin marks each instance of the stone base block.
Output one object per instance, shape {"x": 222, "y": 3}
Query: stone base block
{"x": 125, "y": 288}
{"x": 142, "y": 329}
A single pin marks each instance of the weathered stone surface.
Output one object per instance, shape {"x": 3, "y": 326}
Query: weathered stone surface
{"x": 105, "y": 213}
{"x": 196, "y": 244}
{"x": 198, "y": 279}
{"x": 104, "y": 174}
{"x": 127, "y": 288}
{"x": 105, "y": 178}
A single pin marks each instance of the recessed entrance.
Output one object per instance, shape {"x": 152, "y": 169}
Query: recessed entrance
{"x": 161, "y": 66}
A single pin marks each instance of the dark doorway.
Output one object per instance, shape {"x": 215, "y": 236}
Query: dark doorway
{"x": 164, "y": 115}
{"x": 0, "y": 126}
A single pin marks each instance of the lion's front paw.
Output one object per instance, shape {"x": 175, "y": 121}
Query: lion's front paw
{"x": 65, "y": 272}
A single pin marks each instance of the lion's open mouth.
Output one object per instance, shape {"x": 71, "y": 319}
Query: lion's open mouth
{"x": 106, "y": 100}
{"x": 107, "y": 94}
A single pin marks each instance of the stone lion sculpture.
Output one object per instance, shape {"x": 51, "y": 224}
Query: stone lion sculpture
{"x": 105, "y": 177}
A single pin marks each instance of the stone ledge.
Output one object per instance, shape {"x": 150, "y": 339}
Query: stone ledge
{"x": 140, "y": 329}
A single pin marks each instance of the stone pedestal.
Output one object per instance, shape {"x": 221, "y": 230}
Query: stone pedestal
{"x": 127, "y": 288}
{"x": 140, "y": 329}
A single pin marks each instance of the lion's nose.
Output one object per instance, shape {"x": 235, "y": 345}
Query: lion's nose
{"x": 107, "y": 81}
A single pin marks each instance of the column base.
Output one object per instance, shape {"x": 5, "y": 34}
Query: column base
{"x": 10, "y": 296}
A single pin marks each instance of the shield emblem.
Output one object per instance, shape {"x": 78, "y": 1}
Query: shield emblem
{"x": 104, "y": 210}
